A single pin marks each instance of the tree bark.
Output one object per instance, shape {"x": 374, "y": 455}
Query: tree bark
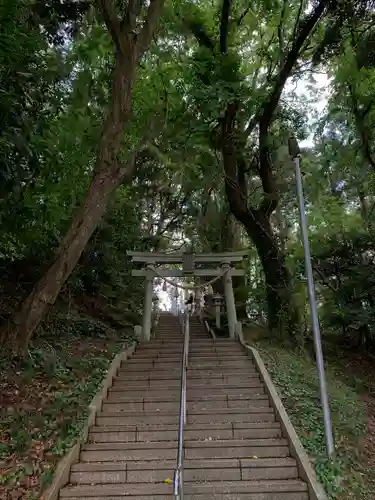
{"x": 108, "y": 172}
{"x": 70, "y": 249}
{"x": 228, "y": 232}
{"x": 283, "y": 316}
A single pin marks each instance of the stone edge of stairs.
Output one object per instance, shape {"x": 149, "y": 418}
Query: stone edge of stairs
{"x": 305, "y": 469}
{"x": 297, "y": 451}
{"x": 62, "y": 473}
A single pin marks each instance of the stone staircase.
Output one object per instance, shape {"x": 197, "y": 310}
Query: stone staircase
{"x": 233, "y": 446}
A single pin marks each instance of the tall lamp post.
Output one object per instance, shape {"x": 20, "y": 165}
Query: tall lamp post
{"x": 294, "y": 152}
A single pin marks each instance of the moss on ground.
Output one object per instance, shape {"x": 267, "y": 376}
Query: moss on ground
{"x": 294, "y": 374}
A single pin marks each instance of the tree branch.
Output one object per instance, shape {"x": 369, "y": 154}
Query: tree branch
{"x": 174, "y": 219}
{"x": 265, "y": 115}
{"x": 306, "y": 27}
{"x": 131, "y": 13}
{"x": 323, "y": 279}
{"x": 280, "y": 32}
{"x": 243, "y": 15}
{"x": 296, "y": 25}
{"x": 361, "y": 127}
{"x": 224, "y": 26}
{"x": 201, "y": 35}
{"x": 235, "y": 196}
{"x": 112, "y": 21}
{"x": 144, "y": 39}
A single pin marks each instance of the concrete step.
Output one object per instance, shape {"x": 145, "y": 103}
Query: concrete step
{"x": 254, "y": 430}
{"x": 200, "y": 351}
{"x": 128, "y": 451}
{"x": 162, "y": 435}
{"x": 110, "y": 491}
{"x": 194, "y": 361}
{"x": 193, "y": 372}
{"x": 213, "y": 386}
{"x": 132, "y": 418}
{"x": 165, "y": 336}
{"x": 194, "y": 470}
{"x": 175, "y": 381}
{"x": 146, "y": 406}
{"x": 206, "y": 496}
{"x": 175, "y": 374}
{"x": 196, "y": 357}
{"x": 206, "y": 343}
{"x": 147, "y": 399}
{"x": 168, "y": 400}
{"x": 235, "y": 364}
{"x": 139, "y": 364}
{"x": 173, "y": 396}
{"x": 116, "y": 396}
{"x": 190, "y": 426}
{"x": 175, "y": 333}
{"x": 251, "y": 414}
{"x": 241, "y": 448}
{"x": 199, "y": 413}
{"x": 193, "y": 357}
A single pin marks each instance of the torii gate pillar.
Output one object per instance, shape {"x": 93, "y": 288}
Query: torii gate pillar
{"x": 229, "y": 299}
{"x": 225, "y": 259}
{"x": 147, "y": 306}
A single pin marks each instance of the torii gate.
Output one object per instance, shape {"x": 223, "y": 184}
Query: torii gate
{"x": 188, "y": 261}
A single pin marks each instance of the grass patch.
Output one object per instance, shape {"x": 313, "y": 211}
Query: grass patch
{"x": 44, "y": 404}
{"x": 296, "y": 380}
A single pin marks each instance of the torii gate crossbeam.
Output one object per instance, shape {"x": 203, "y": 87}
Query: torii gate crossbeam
{"x": 224, "y": 260}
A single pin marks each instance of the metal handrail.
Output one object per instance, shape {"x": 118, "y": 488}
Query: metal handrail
{"x": 209, "y": 329}
{"x": 178, "y": 480}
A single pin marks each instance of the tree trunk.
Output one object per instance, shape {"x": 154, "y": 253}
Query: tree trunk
{"x": 363, "y": 204}
{"x": 108, "y": 175}
{"x": 282, "y": 313}
{"x": 45, "y": 292}
{"x": 283, "y": 316}
{"x": 228, "y": 232}
{"x": 108, "y": 172}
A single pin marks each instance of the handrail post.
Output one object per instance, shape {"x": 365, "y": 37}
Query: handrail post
{"x": 186, "y": 350}
{"x": 295, "y": 154}
{"x": 178, "y": 478}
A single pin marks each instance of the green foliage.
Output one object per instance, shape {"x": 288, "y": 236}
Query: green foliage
{"x": 29, "y": 80}
{"x": 295, "y": 377}
{"x": 345, "y": 267}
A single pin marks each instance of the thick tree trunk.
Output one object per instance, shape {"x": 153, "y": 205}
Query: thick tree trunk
{"x": 228, "y": 232}
{"x": 283, "y": 316}
{"x": 45, "y": 292}
{"x": 108, "y": 172}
